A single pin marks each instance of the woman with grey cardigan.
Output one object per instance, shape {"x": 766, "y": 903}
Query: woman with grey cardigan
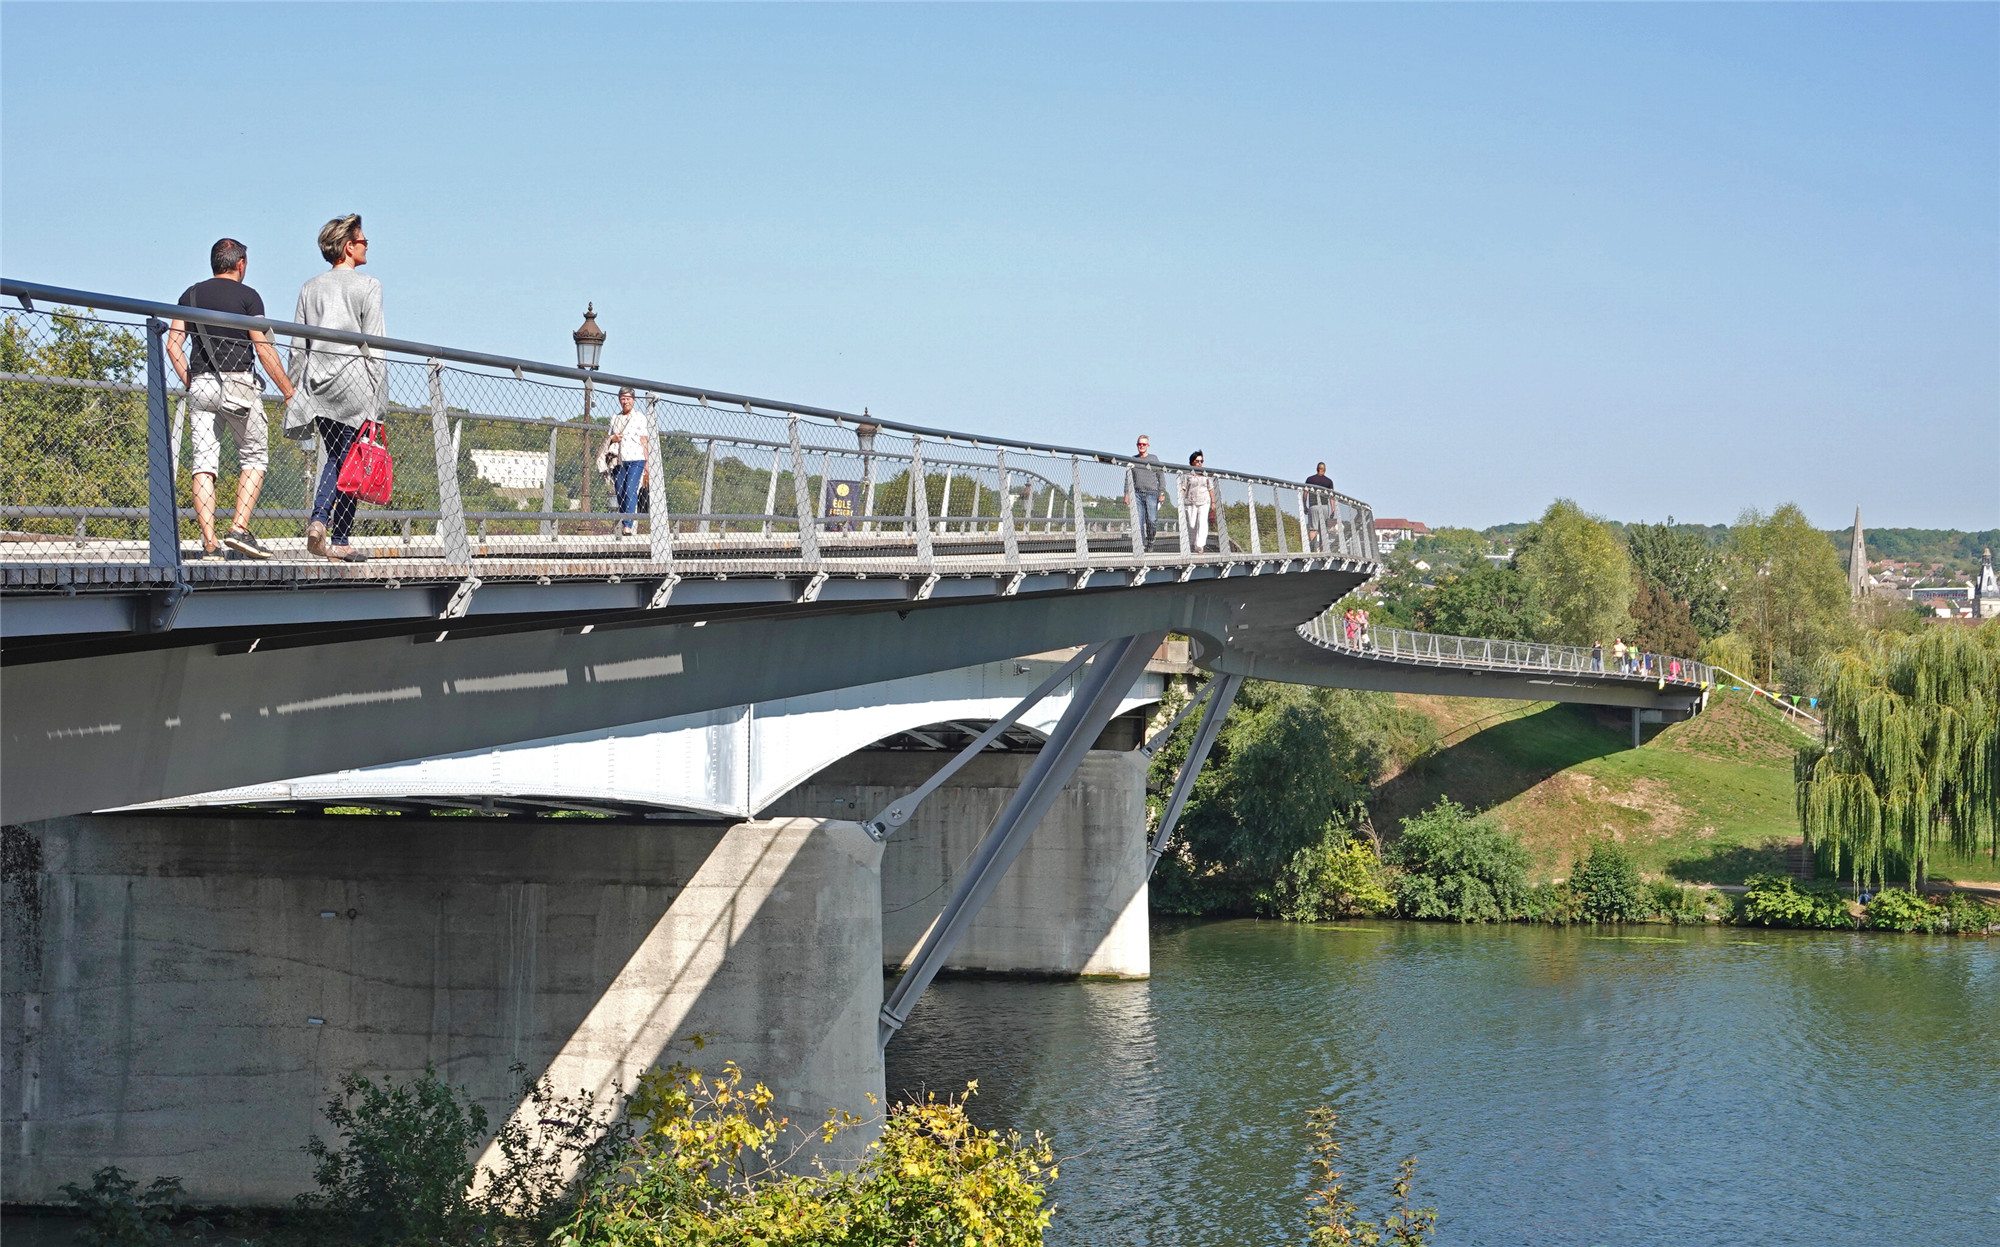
{"x": 336, "y": 386}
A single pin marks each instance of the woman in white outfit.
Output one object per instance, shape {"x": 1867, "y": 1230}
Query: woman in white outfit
{"x": 337, "y": 387}
{"x": 1197, "y": 495}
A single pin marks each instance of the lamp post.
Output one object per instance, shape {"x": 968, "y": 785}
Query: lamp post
{"x": 589, "y": 348}
{"x": 864, "y": 436}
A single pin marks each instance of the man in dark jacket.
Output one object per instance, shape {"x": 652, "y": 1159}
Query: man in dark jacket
{"x": 1146, "y": 486}
{"x": 1319, "y": 504}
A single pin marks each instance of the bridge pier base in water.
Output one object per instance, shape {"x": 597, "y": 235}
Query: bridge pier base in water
{"x": 182, "y": 993}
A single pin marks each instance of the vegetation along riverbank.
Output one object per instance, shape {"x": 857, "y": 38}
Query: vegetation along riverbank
{"x": 1878, "y": 811}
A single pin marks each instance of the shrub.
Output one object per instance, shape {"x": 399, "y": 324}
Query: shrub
{"x": 405, "y": 1167}
{"x": 1337, "y": 878}
{"x": 1607, "y": 886}
{"x": 1330, "y": 1215}
{"x": 1778, "y": 901}
{"x": 1553, "y": 903}
{"x": 1680, "y": 905}
{"x": 117, "y": 1213}
{"x": 1459, "y": 868}
{"x": 1898, "y": 909}
{"x": 1967, "y": 914}
{"x": 705, "y": 1164}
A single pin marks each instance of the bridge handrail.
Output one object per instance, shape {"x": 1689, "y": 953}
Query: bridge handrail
{"x": 104, "y": 454}
{"x": 1442, "y": 650}
{"x": 16, "y": 289}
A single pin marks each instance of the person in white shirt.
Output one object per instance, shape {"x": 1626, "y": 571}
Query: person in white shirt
{"x": 338, "y": 387}
{"x": 628, "y": 438}
{"x": 1197, "y": 496}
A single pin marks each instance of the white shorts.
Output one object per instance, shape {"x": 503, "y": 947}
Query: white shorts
{"x": 210, "y": 396}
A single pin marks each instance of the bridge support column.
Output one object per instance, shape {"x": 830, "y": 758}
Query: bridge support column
{"x": 1635, "y": 727}
{"x": 183, "y": 993}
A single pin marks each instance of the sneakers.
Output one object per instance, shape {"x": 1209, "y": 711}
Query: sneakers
{"x": 243, "y": 545}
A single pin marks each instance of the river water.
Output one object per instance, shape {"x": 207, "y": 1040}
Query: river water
{"x": 1617, "y": 1086}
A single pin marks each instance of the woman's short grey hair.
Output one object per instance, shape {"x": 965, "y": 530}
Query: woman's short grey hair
{"x": 336, "y": 234}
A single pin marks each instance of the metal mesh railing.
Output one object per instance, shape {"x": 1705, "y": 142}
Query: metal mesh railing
{"x": 99, "y": 444}
{"x": 1336, "y": 630}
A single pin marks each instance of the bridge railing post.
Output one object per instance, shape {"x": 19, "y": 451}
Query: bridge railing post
{"x": 920, "y": 502}
{"x": 1132, "y": 512}
{"x": 802, "y": 499}
{"x": 452, "y": 536}
{"x": 1256, "y": 529}
{"x": 1010, "y": 542}
{"x": 660, "y": 526}
{"x": 163, "y": 535}
{"x": 1081, "y": 534}
{"x": 707, "y": 481}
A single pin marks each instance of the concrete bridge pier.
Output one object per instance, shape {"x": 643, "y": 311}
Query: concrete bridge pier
{"x": 183, "y": 992}
{"x": 1073, "y": 903}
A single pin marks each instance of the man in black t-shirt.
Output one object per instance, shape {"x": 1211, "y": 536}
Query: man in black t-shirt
{"x": 220, "y": 374}
{"x": 1319, "y": 503}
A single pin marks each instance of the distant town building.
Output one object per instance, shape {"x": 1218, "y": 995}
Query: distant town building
{"x": 514, "y": 474}
{"x": 1986, "y": 592}
{"x": 1391, "y": 533}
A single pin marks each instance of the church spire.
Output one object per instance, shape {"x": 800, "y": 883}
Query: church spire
{"x": 1857, "y": 561}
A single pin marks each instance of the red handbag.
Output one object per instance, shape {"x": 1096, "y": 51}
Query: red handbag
{"x": 368, "y": 472}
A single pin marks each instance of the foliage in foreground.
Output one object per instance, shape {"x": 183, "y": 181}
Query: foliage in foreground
{"x": 1912, "y": 752}
{"x": 1331, "y": 1217}
{"x": 705, "y": 1165}
{"x": 1608, "y": 888}
{"x": 118, "y": 1212}
{"x": 1781, "y": 901}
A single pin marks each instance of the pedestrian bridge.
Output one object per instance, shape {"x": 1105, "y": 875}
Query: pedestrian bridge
{"x": 785, "y": 551}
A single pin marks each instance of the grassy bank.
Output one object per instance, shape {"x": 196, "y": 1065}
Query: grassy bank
{"x": 1704, "y": 801}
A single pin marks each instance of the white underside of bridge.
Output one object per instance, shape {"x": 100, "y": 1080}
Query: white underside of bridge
{"x": 732, "y": 762}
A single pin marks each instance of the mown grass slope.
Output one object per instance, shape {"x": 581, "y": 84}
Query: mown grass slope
{"x": 1709, "y": 800}
{"x": 1704, "y": 801}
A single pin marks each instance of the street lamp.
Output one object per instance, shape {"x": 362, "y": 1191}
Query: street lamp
{"x": 589, "y": 347}
{"x": 589, "y": 340}
{"x": 864, "y": 435}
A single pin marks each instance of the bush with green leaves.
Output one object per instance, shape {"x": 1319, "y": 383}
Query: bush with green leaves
{"x": 1608, "y": 887}
{"x": 1556, "y": 904}
{"x": 402, "y": 1169}
{"x": 1671, "y": 902}
{"x": 118, "y": 1212}
{"x": 1339, "y": 877}
{"x": 708, "y": 1162}
{"x": 1966, "y": 914}
{"x": 1459, "y": 867}
{"x": 1899, "y": 909}
{"x": 1780, "y": 901}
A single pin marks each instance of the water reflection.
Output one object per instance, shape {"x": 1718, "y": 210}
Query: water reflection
{"x": 1655, "y": 1085}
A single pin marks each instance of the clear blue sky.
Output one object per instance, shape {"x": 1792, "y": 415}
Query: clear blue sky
{"x": 1662, "y": 259}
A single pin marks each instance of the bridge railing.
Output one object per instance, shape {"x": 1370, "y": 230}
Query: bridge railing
{"x": 1333, "y": 630}
{"x": 499, "y": 459}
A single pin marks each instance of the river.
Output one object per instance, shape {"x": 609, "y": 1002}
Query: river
{"x": 1616, "y": 1086}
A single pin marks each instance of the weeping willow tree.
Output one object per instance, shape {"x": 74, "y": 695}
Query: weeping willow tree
{"x": 1911, "y": 755}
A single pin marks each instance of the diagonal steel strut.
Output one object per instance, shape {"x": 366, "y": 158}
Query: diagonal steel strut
{"x": 898, "y": 812}
{"x": 1102, "y": 687}
{"x": 1225, "y": 688}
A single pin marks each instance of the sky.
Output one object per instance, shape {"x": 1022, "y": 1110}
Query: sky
{"x": 1660, "y": 259}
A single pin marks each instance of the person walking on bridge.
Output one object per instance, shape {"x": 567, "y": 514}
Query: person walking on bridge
{"x": 628, "y": 438}
{"x": 339, "y": 386}
{"x": 1146, "y": 488}
{"x": 1197, "y": 497}
{"x": 1618, "y": 653}
{"x": 1597, "y": 655}
{"x": 220, "y": 375}
{"x": 1319, "y": 505}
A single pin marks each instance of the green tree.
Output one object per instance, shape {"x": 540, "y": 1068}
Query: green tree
{"x": 1458, "y": 867}
{"x": 1661, "y": 624}
{"x": 1576, "y": 565}
{"x": 1482, "y": 601}
{"x": 1911, "y": 757}
{"x": 1787, "y": 591}
{"x": 71, "y": 447}
{"x": 1607, "y": 885}
{"x": 1339, "y": 877}
{"x": 1289, "y": 761}
{"x": 1689, "y": 570}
